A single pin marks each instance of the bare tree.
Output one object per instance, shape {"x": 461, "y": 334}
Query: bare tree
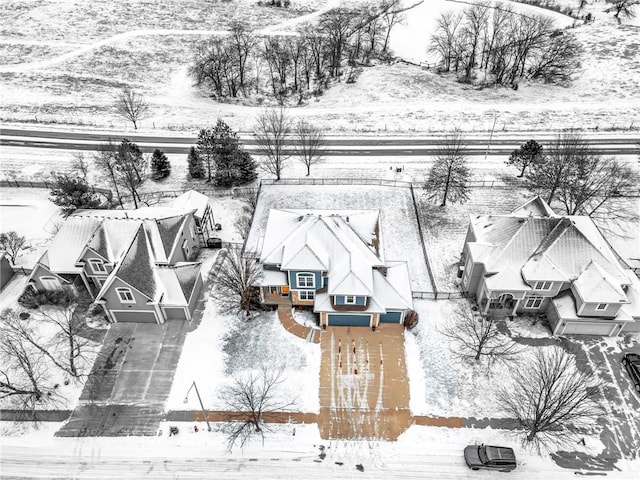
{"x": 72, "y": 335}
{"x": 130, "y": 168}
{"x": 105, "y": 159}
{"x": 253, "y": 397}
{"x": 444, "y": 38}
{"x": 273, "y": 127}
{"x": 23, "y": 369}
{"x": 558, "y": 59}
{"x": 310, "y": 143}
{"x": 551, "y": 399}
{"x": 475, "y": 337}
{"x": 80, "y": 165}
{"x": 236, "y": 291}
{"x": 389, "y": 21}
{"x": 624, "y": 8}
{"x": 243, "y": 222}
{"x": 547, "y": 177}
{"x": 12, "y": 244}
{"x": 132, "y": 106}
{"x": 593, "y": 182}
{"x": 448, "y": 177}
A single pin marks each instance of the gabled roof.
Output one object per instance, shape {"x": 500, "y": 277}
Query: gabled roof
{"x": 168, "y": 228}
{"x": 69, "y": 243}
{"x": 536, "y": 207}
{"x": 191, "y": 200}
{"x": 137, "y": 266}
{"x": 177, "y": 282}
{"x": 598, "y": 286}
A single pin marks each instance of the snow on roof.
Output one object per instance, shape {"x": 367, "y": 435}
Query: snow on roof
{"x": 168, "y": 229}
{"x": 192, "y": 200}
{"x": 272, "y": 278}
{"x": 595, "y": 285}
{"x": 542, "y": 247}
{"x": 137, "y": 266}
{"x": 69, "y": 243}
{"x": 393, "y": 290}
{"x": 535, "y": 206}
{"x": 633, "y": 295}
{"x": 565, "y": 304}
{"x": 507, "y": 278}
{"x": 177, "y": 282}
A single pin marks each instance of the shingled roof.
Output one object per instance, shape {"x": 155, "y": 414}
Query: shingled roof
{"x": 137, "y": 266}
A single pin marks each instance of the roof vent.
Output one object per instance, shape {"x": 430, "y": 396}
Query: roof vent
{"x": 521, "y": 220}
{"x": 347, "y": 218}
{"x": 300, "y": 218}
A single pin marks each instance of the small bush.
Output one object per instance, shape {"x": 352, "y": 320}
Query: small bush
{"x": 411, "y": 319}
{"x": 32, "y": 299}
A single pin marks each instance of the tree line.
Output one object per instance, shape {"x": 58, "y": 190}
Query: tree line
{"x": 504, "y": 46}
{"x": 244, "y": 63}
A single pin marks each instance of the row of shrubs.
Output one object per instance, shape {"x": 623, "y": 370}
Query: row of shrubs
{"x": 32, "y": 299}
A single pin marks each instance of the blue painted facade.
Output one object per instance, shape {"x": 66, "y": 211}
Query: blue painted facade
{"x": 293, "y": 279}
{"x": 340, "y": 300}
{"x": 390, "y": 317}
{"x": 348, "y": 319}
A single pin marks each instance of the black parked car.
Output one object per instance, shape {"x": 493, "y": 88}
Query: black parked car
{"x": 631, "y": 362}
{"x": 490, "y": 458}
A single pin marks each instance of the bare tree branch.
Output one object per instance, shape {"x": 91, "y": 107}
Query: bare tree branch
{"x": 131, "y": 106}
{"x": 271, "y": 131}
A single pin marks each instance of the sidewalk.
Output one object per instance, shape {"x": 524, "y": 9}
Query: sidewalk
{"x": 290, "y": 325}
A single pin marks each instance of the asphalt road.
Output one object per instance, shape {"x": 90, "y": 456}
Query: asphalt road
{"x": 361, "y": 145}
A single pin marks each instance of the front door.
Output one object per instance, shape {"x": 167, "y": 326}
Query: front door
{"x": 285, "y": 290}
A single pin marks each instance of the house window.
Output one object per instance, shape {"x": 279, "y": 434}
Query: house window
{"x": 97, "y": 266}
{"x": 543, "y": 286}
{"x": 533, "y": 301}
{"x": 125, "y": 294}
{"x": 185, "y": 249}
{"x": 307, "y": 294}
{"x": 495, "y": 303}
{"x": 601, "y": 306}
{"x": 306, "y": 280}
{"x": 349, "y": 300}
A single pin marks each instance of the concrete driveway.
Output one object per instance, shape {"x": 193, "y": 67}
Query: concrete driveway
{"x": 130, "y": 382}
{"x": 364, "y": 389}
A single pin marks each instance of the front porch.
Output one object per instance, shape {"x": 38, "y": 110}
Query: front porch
{"x": 275, "y": 295}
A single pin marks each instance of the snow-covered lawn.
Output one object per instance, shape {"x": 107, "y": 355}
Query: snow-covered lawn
{"x": 442, "y": 384}
{"x": 224, "y": 346}
{"x": 65, "y": 389}
{"x": 29, "y": 212}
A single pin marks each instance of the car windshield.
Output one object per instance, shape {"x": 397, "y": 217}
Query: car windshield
{"x": 483, "y": 455}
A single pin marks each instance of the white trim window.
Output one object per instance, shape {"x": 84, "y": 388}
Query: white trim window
{"x": 125, "y": 295}
{"x": 186, "y": 249}
{"x": 601, "y": 307}
{"x": 97, "y": 266}
{"x": 533, "y": 301}
{"x": 543, "y": 286}
{"x": 50, "y": 283}
{"x": 305, "y": 280}
{"x": 349, "y": 300}
{"x": 307, "y": 294}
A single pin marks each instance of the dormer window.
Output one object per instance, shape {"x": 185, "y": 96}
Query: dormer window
{"x": 97, "y": 266}
{"x": 349, "y": 300}
{"x": 306, "y": 280}
{"x": 601, "y": 307}
{"x": 543, "y": 286}
{"x": 125, "y": 295}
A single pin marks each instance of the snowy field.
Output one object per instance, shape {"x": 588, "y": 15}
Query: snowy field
{"x": 392, "y": 98}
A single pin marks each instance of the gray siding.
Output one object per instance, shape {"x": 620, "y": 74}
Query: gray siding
{"x": 113, "y": 301}
{"x": 174, "y": 313}
{"x": 195, "y": 296}
{"x": 6, "y": 272}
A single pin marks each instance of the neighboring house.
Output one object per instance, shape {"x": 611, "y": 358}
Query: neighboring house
{"x": 534, "y": 261}
{"x": 203, "y": 214}
{"x": 333, "y": 262}
{"x": 6, "y": 271}
{"x": 137, "y": 264}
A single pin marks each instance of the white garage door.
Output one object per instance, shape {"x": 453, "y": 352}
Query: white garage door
{"x": 583, "y": 328}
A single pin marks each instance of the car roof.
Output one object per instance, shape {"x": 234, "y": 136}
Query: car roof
{"x": 633, "y": 357}
{"x": 500, "y": 453}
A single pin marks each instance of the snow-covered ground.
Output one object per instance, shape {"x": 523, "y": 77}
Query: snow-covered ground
{"x": 222, "y": 347}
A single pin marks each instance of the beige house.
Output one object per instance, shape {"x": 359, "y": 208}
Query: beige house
{"x": 534, "y": 261}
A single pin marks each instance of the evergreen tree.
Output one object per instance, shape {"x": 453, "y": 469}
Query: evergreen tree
{"x": 160, "y": 165}
{"x": 529, "y": 153}
{"x": 224, "y": 156}
{"x": 73, "y": 193}
{"x": 196, "y": 168}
